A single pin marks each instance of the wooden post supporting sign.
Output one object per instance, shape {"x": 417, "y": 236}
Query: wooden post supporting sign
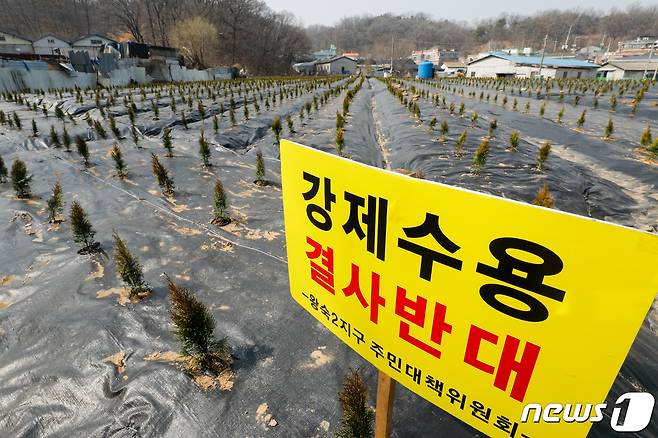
{"x": 384, "y": 408}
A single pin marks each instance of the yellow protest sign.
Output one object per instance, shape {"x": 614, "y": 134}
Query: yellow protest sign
{"x": 478, "y": 304}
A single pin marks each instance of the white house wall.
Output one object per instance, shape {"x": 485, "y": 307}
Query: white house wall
{"x": 12, "y": 44}
{"x": 42, "y": 46}
{"x": 490, "y": 68}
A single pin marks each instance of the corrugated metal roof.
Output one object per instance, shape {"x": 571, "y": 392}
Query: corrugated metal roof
{"x": 630, "y": 65}
{"x": 548, "y": 61}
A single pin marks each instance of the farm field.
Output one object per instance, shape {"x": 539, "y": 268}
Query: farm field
{"x": 80, "y": 357}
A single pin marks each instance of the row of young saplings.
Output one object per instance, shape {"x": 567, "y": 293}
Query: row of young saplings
{"x": 203, "y": 353}
{"x": 544, "y": 87}
{"x": 101, "y": 131}
{"x": 194, "y": 324}
{"x": 646, "y": 139}
{"x": 479, "y": 160}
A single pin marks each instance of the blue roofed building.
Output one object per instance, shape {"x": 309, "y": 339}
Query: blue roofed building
{"x": 500, "y": 65}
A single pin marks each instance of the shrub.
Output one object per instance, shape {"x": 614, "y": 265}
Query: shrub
{"x": 20, "y": 180}
{"x": 480, "y": 158}
{"x": 357, "y": 418}
{"x": 514, "y": 140}
{"x": 215, "y": 124}
{"x": 81, "y": 228}
{"x": 35, "y": 129}
{"x": 128, "y": 268}
{"x": 55, "y": 204}
{"x": 219, "y": 205}
{"x": 260, "y": 169}
{"x": 195, "y": 329}
{"x": 83, "y": 149}
{"x": 544, "y": 151}
{"x": 54, "y": 137}
{"x": 204, "y": 150}
{"x": 161, "y": 173}
{"x": 119, "y": 164}
{"x": 543, "y": 197}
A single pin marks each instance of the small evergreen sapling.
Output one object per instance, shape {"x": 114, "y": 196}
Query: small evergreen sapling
{"x": 580, "y": 121}
{"x": 20, "y": 180}
{"x": 646, "y": 137}
{"x": 82, "y": 230}
{"x": 492, "y": 127}
{"x": 204, "y": 150}
{"x": 66, "y": 139}
{"x": 166, "y": 142}
{"x": 161, "y": 173}
{"x": 609, "y": 129}
{"x": 357, "y": 418}
{"x": 291, "y": 128}
{"x": 54, "y": 138}
{"x": 340, "y": 140}
{"x": 276, "y": 128}
{"x": 119, "y": 164}
{"x": 195, "y": 329}
{"x": 544, "y": 198}
{"x": 220, "y": 217}
{"x": 544, "y": 151}
{"x": 128, "y": 268}
{"x": 35, "y": 129}
{"x": 514, "y": 140}
{"x": 3, "y": 171}
{"x": 83, "y": 149}
{"x": 443, "y": 129}
{"x": 260, "y": 170}
{"x": 560, "y": 114}
{"x": 459, "y": 146}
{"x": 480, "y": 158}
{"x": 55, "y": 204}
{"x": 654, "y": 147}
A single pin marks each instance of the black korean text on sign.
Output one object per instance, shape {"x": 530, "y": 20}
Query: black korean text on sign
{"x": 374, "y": 218}
{"x": 533, "y": 309}
{"x": 428, "y": 256}
{"x": 319, "y": 216}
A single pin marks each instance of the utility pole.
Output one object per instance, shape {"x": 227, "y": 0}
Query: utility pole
{"x": 543, "y": 52}
{"x": 392, "y": 55}
{"x": 644, "y": 75}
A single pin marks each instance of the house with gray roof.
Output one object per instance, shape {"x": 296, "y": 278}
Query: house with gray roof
{"x": 500, "y": 65}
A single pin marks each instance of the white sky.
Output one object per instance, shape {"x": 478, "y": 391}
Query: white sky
{"x": 330, "y": 11}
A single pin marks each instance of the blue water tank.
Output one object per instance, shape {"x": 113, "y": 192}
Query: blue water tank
{"x": 426, "y": 70}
